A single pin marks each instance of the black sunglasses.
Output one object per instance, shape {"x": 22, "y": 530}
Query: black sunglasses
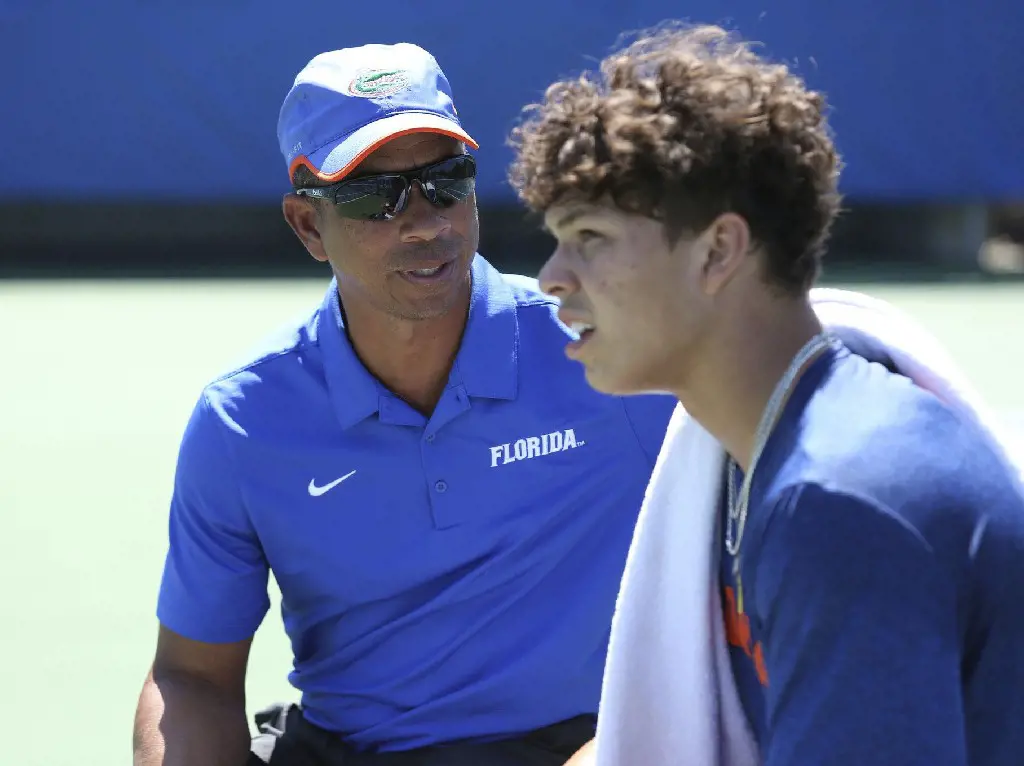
{"x": 383, "y": 196}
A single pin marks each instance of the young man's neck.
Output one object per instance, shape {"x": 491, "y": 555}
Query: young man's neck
{"x": 728, "y": 389}
{"x": 412, "y": 358}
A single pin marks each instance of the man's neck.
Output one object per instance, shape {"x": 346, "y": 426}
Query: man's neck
{"x": 412, "y": 358}
{"x": 728, "y": 390}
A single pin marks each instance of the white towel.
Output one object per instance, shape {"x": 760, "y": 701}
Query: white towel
{"x": 669, "y": 697}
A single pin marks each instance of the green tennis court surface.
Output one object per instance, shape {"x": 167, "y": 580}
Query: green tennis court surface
{"x": 96, "y": 381}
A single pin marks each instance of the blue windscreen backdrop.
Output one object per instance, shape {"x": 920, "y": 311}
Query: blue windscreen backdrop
{"x": 178, "y": 99}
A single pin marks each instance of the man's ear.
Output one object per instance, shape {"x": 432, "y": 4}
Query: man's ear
{"x": 304, "y": 217}
{"x": 726, "y": 245}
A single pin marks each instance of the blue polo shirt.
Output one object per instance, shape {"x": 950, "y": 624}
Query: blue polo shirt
{"x": 443, "y": 578}
{"x": 882, "y": 572}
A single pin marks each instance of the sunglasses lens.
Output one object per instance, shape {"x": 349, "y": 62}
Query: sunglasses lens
{"x": 450, "y": 181}
{"x": 382, "y": 197}
{"x": 376, "y": 198}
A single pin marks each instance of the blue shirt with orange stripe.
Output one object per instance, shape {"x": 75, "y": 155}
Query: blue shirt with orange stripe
{"x": 443, "y": 578}
{"x": 882, "y": 569}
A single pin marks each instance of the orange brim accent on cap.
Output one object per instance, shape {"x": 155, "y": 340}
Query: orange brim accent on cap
{"x": 340, "y": 174}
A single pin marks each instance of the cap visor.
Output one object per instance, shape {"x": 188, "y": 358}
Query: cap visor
{"x": 335, "y": 161}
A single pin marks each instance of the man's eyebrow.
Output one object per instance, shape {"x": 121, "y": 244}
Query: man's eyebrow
{"x": 571, "y": 216}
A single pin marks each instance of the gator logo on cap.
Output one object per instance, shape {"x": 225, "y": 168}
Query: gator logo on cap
{"x": 377, "y": 83}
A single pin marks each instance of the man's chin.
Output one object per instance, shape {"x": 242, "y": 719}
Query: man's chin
{"x": 420, "y": 303}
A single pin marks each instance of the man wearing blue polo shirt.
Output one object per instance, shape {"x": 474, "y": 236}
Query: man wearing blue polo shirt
{"x": 444, "y": 501}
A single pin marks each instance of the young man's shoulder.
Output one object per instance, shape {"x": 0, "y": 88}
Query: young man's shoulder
{"x": 894, "y": 457}
{"x": 875, "y": 434}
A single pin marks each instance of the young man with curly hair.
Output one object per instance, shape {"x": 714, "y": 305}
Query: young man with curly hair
{"x": 871, "y": 540}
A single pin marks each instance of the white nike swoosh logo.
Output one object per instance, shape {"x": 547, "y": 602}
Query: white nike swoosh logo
{"x": 316, "y": 491}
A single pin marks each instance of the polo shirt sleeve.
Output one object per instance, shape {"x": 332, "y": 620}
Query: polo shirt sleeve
{"x": 214, "y": 585}
{"x": 860, "y": 633}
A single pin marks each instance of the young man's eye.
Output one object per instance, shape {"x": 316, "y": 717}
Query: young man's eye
{"x": 587, "y": 235}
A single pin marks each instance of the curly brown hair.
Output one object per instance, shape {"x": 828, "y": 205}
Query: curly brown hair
{"x": 683, "y": 125}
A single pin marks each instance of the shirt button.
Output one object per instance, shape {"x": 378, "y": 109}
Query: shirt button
{"x": 430, "y": 437}
{"x": 441, "y": 486}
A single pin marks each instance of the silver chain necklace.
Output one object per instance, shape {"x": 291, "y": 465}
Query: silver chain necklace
{"x": 736, "y": 521}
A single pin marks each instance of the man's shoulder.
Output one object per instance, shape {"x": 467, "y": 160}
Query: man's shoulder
{"x": 541, "y": 333}
{"x": 526, "y": 291}
{"x": 534, "y": 306}
{"x": 269, "y": 366}
{"x": 546, "y": 337}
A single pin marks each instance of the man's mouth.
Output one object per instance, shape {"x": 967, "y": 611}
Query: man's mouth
{"x": 426, "y": 272}
{"x": 581, "y": 328}
{"x": 429, "y": 274}
{"x": 584, "y": 332}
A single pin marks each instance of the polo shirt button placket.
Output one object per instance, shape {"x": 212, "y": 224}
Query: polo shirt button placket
{"x": 441, "y": 486}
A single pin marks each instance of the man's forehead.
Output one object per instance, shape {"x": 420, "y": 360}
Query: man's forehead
{"x": 563, "y": 214}
{"x": 409, "y": 151}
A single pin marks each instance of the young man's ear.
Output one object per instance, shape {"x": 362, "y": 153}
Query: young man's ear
{"x": 727, "y": 243}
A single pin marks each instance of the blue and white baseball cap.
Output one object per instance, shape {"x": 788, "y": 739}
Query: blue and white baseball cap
{"x": 346, "y": 103}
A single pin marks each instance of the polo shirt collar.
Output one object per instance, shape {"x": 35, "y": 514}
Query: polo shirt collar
{"x": 487, "y": 362}
{"x": 485, "y": 366}
{"x": 354, "y": 392}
